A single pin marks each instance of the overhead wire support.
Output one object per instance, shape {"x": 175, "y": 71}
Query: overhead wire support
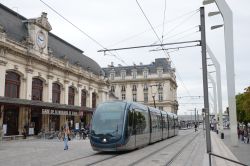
{"x": 176, "y": 48}
{"x": 151, "y": 45}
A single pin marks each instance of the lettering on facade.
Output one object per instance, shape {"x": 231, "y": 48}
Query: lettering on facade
{"x": 59, "y": 112}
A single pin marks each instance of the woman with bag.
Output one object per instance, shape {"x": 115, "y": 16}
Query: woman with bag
{"x": 66, "y": 137}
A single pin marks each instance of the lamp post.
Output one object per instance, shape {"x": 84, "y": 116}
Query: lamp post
{"x": 229, "y": 56}
{"x": 154, "y": 91}
{"x": 219, "y": 93}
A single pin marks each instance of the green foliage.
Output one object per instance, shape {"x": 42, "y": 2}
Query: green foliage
{"x": 243, "y": 106}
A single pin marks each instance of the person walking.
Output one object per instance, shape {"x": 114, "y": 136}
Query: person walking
{"x": 195, "y": 127}
{"x": 66, "y": 137}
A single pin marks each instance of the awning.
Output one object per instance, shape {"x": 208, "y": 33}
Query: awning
{"x": 41, "y": 104}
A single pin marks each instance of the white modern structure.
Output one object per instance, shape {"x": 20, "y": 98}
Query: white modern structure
{"x": 218, "y": 83}
{"x": 227, "y": 15}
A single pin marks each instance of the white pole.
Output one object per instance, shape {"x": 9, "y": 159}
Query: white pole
{"x": 229, "y": 51}
{"x": 218, "y": 81}
{"x": 215, "y": 98}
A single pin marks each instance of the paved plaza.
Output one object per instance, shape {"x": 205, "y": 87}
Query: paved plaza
{"x": 43, "y": 152}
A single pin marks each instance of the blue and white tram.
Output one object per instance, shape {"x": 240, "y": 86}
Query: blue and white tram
{"x": 121, "y": 125}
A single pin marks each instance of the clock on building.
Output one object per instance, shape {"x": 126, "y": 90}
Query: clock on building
{"x": 41, "y": 39}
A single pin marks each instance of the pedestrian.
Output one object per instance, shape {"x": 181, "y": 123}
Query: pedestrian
{"x": 66, "y": 137}
{"x": 245, "y": 135}
{"x": 195, "y": 127}
{"x": 248, "y": 135}
{"x": 238, "y": 132}
{"x": 24, "y": 133}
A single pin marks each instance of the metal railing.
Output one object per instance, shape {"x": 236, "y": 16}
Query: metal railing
{"x": 212, "y": 154}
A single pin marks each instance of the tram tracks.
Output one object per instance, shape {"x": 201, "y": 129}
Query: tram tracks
{"x": 84, "y": 158}
{"x": 181, "y": 150}
{"x": 125, "y": 158}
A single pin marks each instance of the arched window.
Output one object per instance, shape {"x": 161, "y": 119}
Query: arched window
{"x": 37, "y": 89}
{"x": 84, "y": 98}
{"x": 71, "y": 98}
{"x": 12, "y": 85}
{"x": 93, "y": 100}
{"x": 56, "y": 93}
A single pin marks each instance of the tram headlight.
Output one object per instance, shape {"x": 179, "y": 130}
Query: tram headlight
{"x": 104, "y": 140}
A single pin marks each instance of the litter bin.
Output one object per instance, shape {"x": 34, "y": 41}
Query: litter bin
{"x": 222, "y": 136}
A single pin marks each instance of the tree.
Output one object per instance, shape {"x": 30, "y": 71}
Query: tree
{"x": 243, "y": 106}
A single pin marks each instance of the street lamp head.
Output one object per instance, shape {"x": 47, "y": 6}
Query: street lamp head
{"x": 213, "y": 13}
{"x": 206, "y": 2}
{"x": 216, "y": 26}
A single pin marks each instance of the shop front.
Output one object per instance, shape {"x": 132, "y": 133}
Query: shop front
{"x": 33, "y": 117}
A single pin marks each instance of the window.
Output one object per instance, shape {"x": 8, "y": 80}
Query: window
{"x": 84, "y": 98}
{"x": 123, "y": 96}
{"x": 160, "y": 87}
{"x": 123, "y": 75}
{"x": 145, "y": 87}
{"x": 94, "y": 100}
{"x": 160, "y": 73}
{"x": 134, "y": 74}
{"x": 160, "y": 96}
{"x": 134, "y": 88}
{"x": 160, "y": 108}
{"x": 112, "y": 89}
{"x": 123, "y": 88}
{"x": 145, "y": 74}
{"x": 134, "y": 97}
{"x": 56, "y": 93}
{"x": 145, "y": 97}
{"x": 12, "y": 85}
{"x": 112, "y": 76}
{"x": 71, "y": 96}
{"x": 37, "y": 89}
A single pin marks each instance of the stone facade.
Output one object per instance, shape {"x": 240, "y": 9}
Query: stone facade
{"x": 144, "y": 83}
{"x": 38, "y": 54}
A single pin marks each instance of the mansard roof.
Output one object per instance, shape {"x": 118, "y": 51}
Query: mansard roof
{"x": 14, "y": 26}
{"x": 162, "y": 63}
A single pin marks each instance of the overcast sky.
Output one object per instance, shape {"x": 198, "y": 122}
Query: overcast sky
{"x": 121, "y": 23}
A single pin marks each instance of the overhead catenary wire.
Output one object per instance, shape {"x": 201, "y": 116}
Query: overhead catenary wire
{"x": 79, "y": 29}
{"x": 150, "y": 29}
{"x": 162, "y": 46}
{"x": 163, "y": 24}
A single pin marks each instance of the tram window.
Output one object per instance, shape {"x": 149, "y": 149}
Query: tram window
{"x": 141, "y": 121}
{"x": 129, "y": 126}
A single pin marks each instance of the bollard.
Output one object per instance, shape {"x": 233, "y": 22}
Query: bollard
{"x": 217, "y": 131}
{"x": 222, "y": 136}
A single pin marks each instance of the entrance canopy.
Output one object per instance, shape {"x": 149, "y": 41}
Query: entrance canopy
{"x": 45, "y": 105}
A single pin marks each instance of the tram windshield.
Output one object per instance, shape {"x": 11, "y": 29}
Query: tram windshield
{"x": 108, "y": 119}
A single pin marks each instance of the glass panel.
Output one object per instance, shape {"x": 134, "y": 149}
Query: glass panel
{"x": 108, "y": 118}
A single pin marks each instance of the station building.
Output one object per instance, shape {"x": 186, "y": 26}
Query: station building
{"x": 151, "y": 84}
{"x": 44, "y": 80}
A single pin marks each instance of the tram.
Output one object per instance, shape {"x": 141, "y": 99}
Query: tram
{"x": 123, "y": 126}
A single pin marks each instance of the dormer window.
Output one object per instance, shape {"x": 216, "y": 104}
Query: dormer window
{"x": 134, "y": 73}
{"x": 112, "y": 76}
{"x": 160, "y": 72}
{"x": 145, "y": 74}
{"x": 123, "y": 75}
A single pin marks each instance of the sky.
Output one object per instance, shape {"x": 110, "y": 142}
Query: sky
{"x": 121, "y": 23}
